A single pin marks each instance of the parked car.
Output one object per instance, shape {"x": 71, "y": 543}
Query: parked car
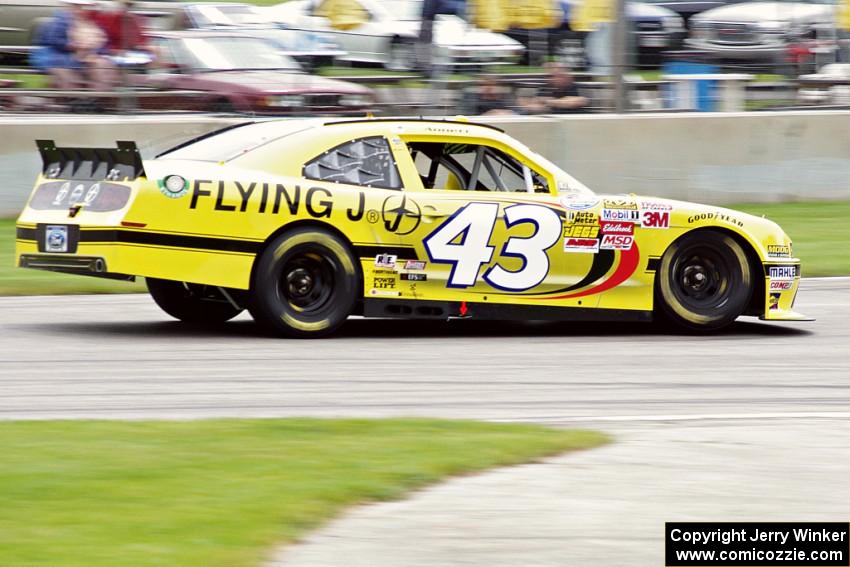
{"x": 385, "y": 33}
{"x": 690, "y": 8}
{"x": 239, "y": 73}
{"x": 773, "y": 33}
{"x": 306, "y": 47}
{"x": 654, "y": 29}
{"x": 831, "y": 85}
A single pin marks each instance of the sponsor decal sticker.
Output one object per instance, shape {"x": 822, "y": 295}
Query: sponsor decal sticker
{"x": 701, "y": 217}
{"x": 581, "y": 230}
{"x": 773, "y": 303}
{"x": 617, "y": 227}
{"x": 582, "y": 217}
{"x": 624, "y": 215}
{"x": 624, "y": 204}
{"x": 782, "y": 272}
{"x": 779, "y": 250}
{"x": 384, "y": 282}
{"x": 173, "y": 186}
{"x": 385, "y": 261}
{"x": 415, "y": 264}
{"x": 413, "y": 277}
{"x": 384, "y": 292}
{"x": 654, "y": 206}
{"x": 617, "y": 242}
{"x": 781, "y": 285}
{"x": 578, "y": 202}
{"x": 655, "y": 219}
{"x": 586, "y": 245}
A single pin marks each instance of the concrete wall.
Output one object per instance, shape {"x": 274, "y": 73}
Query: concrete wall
{"x": 715, "y": 158}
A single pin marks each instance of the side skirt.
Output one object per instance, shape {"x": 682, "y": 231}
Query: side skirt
{"x": 421, "y": 309}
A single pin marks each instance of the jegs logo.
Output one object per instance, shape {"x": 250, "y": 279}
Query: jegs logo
{"x": 581, "y": 230}
{"x": 617, "y": 242}
{"x": 655, "y": 219}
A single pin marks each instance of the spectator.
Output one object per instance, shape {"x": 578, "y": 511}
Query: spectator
{"x": 69, "y": 49}
{"x": 492, "y": 99}
{"x": 126, "y": 42}
{"x": 559, "y": 96}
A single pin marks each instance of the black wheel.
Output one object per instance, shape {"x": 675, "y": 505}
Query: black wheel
{"x": 192, "y": 303}
{"x": 305, "y": 284}
{"x": 704, "y": 282}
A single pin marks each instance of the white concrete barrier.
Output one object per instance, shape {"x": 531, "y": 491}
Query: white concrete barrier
{"x": 704, "y": 157}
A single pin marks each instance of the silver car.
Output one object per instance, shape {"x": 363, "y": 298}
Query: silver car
{"x": 385, "y": 33}
{"x": 763, "y": 31}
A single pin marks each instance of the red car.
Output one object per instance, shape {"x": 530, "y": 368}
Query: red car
{"x": 240, "y": 73}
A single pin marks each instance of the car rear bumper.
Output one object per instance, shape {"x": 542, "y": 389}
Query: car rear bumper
{"x": 749, "y": 52}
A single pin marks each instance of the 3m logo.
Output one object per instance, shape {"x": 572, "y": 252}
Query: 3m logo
{"x": 655, "y": 219}
{"x": 617, "y": 242}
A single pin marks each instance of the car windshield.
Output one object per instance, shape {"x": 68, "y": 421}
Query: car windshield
{"x": 235, "y": 53}
{"x": 226, "y": 15}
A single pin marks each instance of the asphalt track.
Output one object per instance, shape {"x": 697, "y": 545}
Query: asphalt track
{"x": 751, "y": 424}
{"x": 119, "y": 356}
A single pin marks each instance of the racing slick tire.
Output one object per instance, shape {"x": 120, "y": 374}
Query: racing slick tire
{"x": 192, "y": 303}
{"x": 305, "y": 284}
{"x": 704, "y": 282}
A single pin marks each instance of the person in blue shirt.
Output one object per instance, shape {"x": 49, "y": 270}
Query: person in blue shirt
{"x": 68, "y": 48}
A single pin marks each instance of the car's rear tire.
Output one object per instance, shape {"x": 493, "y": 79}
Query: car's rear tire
{"x": 192, "y": 303}
{"x": 704, "y": 281}
{"x": 305, "y": 284}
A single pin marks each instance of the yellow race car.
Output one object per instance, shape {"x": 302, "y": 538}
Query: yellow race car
{"x": 305, "y": 222}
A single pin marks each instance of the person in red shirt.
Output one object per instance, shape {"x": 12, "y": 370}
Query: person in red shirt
{"x": 126, "y": 41}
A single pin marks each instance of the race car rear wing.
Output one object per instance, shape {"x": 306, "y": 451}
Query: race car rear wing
{"x": 122, "y": 163}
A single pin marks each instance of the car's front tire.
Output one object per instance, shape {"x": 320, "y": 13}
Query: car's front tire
{"x": 192, "y": 303}
{"x": 305, "y": 284}
{"x": 704, "y": 281}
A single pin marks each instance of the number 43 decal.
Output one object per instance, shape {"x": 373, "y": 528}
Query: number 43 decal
{"x": 464, "y": 242}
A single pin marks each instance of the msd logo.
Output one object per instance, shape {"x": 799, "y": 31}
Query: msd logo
{"x": 617, "y": 242}
{"x": 655, "y": 219}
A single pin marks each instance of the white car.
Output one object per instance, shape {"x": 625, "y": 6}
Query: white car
{"x": 763, "y": 31}
{"x": 385, "y": 32}
{"x": 831, "y": 85}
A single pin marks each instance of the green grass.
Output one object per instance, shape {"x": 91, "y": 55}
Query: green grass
{"x": 819, "y": 230}
{"x": 27, "y": 81}
{"x": 223, "y": 493}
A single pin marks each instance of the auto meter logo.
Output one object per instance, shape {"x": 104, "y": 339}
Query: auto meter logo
{"x": 617, "y": 227}
{"x": 400, "y": 214}
{"x": 655, "y": 219}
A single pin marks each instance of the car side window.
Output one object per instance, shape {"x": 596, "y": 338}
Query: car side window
{"x": 366, "y": 161}
{"x": 473, "y": 167}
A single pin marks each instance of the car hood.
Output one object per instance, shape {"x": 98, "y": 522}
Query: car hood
{"x": 644, "y": 11}
{"x": 283, "y": 82}
{"x": 454, "y": 31}
{"x": 768, "y": 11}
